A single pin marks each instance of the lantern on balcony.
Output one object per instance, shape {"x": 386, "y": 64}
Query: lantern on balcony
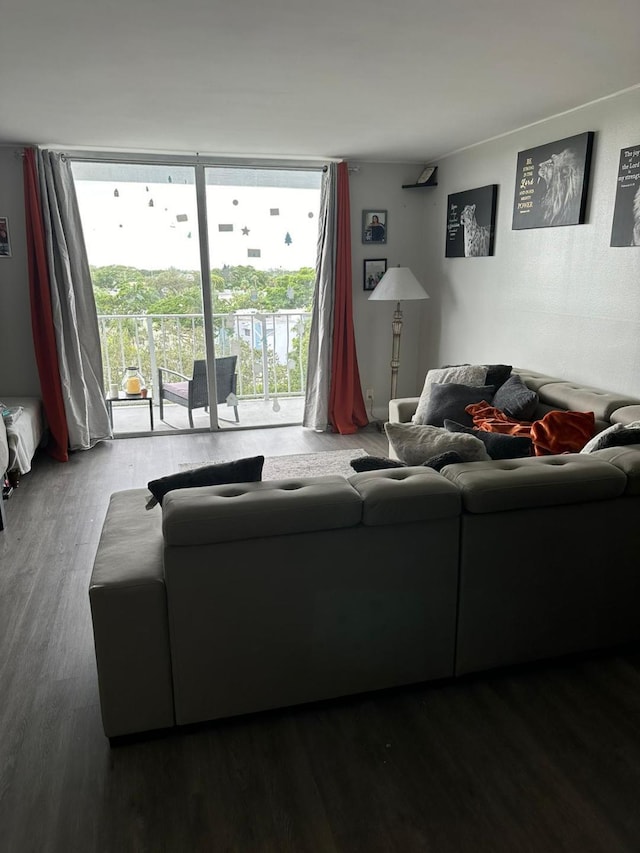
{"x": 133, "y": 381}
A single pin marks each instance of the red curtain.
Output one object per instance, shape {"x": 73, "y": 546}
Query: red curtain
{"x": 347, "y": 411}
{"x": 44, "y": 338}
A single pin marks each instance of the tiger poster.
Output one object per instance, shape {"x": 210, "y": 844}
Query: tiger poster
{"x": 625, "y": 230}
{"x": 471, "y": 219}
{"x": 551, "y": 183}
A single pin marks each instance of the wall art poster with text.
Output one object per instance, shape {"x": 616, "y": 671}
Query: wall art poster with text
{"x": 471, "y": 219}
{"x": 551, "y": 183}
{"x": 625, "y": 230}
{"x": 5, "y": 243}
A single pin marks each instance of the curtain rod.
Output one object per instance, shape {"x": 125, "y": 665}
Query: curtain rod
{"x": 190, "y": 160}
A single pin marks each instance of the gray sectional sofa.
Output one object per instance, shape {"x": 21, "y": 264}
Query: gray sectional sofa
{"x": 239, "y": 598}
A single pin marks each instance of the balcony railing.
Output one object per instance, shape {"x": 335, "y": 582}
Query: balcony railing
{"x": 271, "y": 347}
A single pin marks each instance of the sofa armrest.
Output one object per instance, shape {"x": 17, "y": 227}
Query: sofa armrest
{"x": 402, "y": 409}
{"x": 127, "y": 596}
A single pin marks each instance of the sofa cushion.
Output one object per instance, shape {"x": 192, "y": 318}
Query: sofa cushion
{"x": 463, "y": 374}
{"x": 416, "y": 443}
{"x": 625, "y": 415}
{"x": 515, "y": 399}
{"x": 627, "y": 459}
{"x": 450, "y": 399}
{"x": 252, "y": 510}
{"x": 511, "y": 484}
{"x": 499, "y": 445}
{"x": 403, "y": 496}
{"x": 533, "y": 379}
{"x": 248, "y": 470}
{"x": 583, "y": 398}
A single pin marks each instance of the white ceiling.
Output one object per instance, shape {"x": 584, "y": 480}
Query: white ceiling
{"x": 399, "y": 80}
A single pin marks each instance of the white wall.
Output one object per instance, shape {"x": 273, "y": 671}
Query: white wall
{"x": 557, "y": 300}
{"x": 373, "y": 187}
{"x": 18, "y": 373}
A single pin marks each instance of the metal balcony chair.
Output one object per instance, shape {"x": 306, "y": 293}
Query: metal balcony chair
{"x": 193, "y": 393}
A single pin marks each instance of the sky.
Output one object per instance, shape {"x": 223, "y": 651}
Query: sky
{"x": 122, "y": 227}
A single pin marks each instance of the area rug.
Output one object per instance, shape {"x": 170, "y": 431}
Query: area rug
{"x": 299, "y": 464}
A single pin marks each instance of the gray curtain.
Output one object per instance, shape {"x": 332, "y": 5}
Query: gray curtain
{"x": 73, "y": 305}
{"x": 316, "y": 404}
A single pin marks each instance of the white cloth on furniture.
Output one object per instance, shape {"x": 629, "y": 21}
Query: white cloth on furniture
{"x": 25, "y": 433}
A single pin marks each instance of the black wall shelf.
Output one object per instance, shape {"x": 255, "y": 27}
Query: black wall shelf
{"x": 432, "y": 182}
{"x": 419, "y": 186}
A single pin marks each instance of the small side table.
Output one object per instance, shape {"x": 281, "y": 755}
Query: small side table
{"x": 122, "y": 398}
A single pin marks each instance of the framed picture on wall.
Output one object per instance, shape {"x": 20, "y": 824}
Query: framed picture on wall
{"x": 374, "y": 226}
{"x": 374, "y": 269}
{"x": 625, "y": 228}
{"x": 5, "y": 243}
{"x": 471, "y": 217}
{"x": 551, "y": 183}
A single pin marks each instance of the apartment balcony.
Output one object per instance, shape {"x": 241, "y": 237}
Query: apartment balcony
{"x": 272, "y": 356}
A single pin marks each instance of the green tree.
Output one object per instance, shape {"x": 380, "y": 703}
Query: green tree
{"x": 122, "y": 290}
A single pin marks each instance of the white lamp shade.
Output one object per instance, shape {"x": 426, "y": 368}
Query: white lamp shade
{"x": 399, "y": 283}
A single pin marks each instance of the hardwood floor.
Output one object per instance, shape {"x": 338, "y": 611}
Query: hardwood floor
{"x": 542, "y": 759}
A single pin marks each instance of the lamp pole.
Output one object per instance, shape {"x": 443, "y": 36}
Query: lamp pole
{"x": 396, "y": 326}
{"x": 396, "y": 284}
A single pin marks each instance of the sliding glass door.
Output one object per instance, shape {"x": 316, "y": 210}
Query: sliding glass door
{"x": 140, "y": 226}
{"x": 201, "y": 271}
{"x": 262, "y": 227}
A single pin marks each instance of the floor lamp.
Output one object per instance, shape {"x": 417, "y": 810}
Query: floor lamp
{"x": 396, "y": 285}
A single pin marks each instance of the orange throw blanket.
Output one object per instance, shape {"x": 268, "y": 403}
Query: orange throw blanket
{"x": 562, "y": 432}
{"x": 556, "y": 432}
{"x": 490, "y": 419}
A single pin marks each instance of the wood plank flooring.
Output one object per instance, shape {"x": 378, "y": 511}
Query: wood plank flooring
{"x": 542, "y": 759}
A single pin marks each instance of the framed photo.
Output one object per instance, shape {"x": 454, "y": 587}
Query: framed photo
{"x": 374, "y": 226}
{"x": 427, "y": 175}
{"x": 5, "y": 243}
{"x": 625, "y": 228}
{"x": 551, "y": 183}
{"x": 471, "y": 219}
{"x": 374, "y": 269}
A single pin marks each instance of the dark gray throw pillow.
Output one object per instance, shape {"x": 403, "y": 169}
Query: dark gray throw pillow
{"x": 620, "y": 438}
{"x": 448, "y": 400}
{"x": 498, "y": 446}
{"x": 374, "y": 463}
{"x": 248, "y": 470}
{"x": 449, "y": 457}
{"x": 515, "y": 399}
{"x": 497, "y": 374}
{"x": 377, "y": 463}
